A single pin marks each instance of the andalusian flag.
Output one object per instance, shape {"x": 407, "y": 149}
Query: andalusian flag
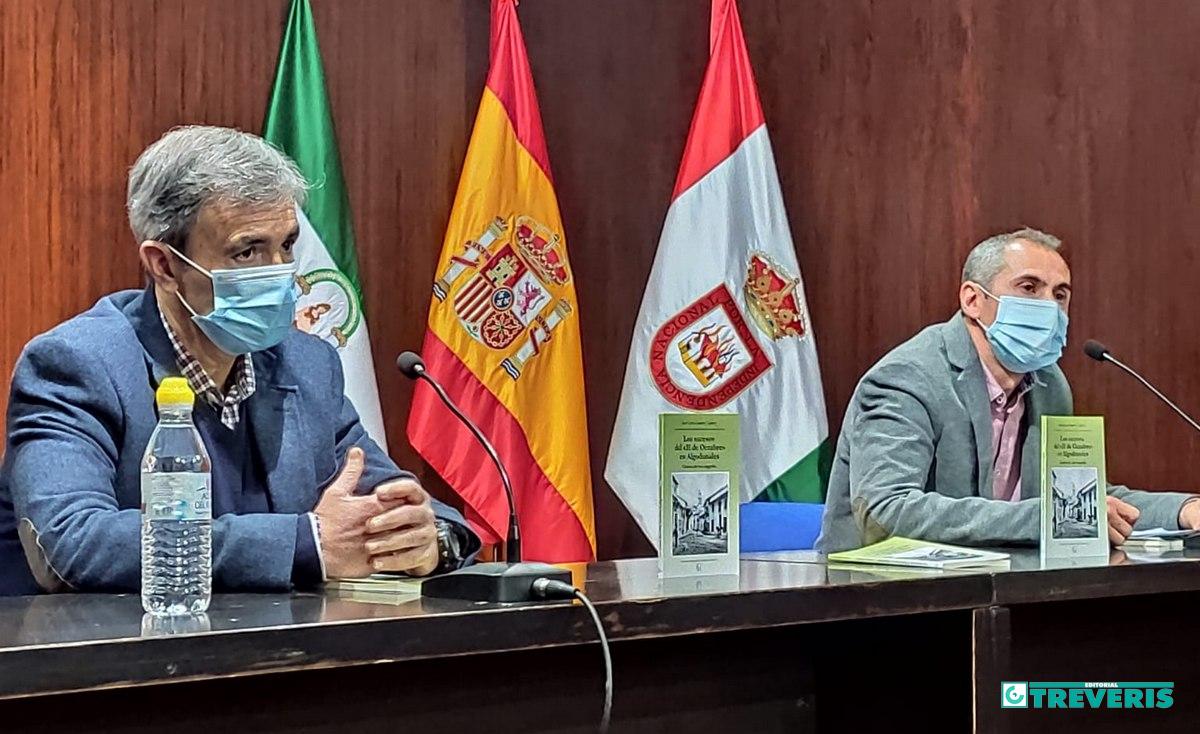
{"x": 330, "y": 305}
{"x": 504, "y": 327}
{"x": 724, "y": 325}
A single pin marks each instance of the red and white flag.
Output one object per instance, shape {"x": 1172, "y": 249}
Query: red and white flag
{"x": 724, "y": 325}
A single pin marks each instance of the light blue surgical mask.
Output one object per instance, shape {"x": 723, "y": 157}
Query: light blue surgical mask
{"x": 253, "y": 308}
{"x": 1028, "y": 334}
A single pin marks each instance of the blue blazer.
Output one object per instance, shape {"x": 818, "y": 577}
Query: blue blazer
{"x": 80, "y": 415}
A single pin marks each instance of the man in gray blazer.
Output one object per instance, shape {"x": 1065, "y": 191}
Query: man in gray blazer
{"x": 941, "y": 440}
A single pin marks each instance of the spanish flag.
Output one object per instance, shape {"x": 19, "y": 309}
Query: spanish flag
{"x": 503, "y": 334}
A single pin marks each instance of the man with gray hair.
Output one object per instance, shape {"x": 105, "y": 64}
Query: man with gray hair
{"x": 300, "y": 492}
{"x": 941, "y": 440}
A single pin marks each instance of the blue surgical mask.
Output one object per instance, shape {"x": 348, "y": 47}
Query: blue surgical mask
{"x": 1028, "y": 334}
{"x": 253, "y": 308}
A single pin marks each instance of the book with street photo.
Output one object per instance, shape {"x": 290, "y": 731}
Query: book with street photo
{"x": 1074, "y": 487}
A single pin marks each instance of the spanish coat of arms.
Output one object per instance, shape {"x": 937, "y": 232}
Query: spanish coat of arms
{"x": 501, "y": 288}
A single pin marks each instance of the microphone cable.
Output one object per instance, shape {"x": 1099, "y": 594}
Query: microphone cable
{"x": 544, "y": 588}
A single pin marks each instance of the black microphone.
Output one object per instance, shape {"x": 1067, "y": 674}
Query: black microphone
{"x": 1095, "y": 350}
{"x": 411, "y": 365}
{"x": 1100, "y": 353}
{"x": 498, "y": 582}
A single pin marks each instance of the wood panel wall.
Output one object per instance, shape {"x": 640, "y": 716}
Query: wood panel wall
{"x": 904, "y": 132}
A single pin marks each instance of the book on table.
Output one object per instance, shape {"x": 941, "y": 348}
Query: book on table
{"x": 898, "y": 551}
{"x": 377, "y": 587}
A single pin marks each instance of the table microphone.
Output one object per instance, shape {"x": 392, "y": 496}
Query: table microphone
{"x": 509, "y": 581}
{"x": 1100, "y": 353}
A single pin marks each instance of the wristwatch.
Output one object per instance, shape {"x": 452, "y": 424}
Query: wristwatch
{"x": 449, "y": 547}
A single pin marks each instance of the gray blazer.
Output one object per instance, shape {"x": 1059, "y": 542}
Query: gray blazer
{"x": 914, "y": 455}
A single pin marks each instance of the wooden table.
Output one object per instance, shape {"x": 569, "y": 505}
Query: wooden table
{"x": 790, "y": 645}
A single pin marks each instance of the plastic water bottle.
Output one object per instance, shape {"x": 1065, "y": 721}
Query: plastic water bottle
{"x": 176, "y": 509}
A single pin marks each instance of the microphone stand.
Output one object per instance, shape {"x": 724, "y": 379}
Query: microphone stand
{"x": 1108, "y": 356}
{"x": 512, "y": 548}
{"x": 511, "y": 580}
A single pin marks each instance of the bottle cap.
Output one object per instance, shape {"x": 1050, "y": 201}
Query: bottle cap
{"x": 174, "y": 391}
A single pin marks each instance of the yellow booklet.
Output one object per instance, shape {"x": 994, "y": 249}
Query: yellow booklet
{"x": 897, "y": 551}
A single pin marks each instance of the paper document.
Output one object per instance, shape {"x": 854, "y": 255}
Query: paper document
{"x": 1161, "y": 533}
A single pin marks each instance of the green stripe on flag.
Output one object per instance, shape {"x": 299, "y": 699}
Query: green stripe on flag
{"x": 805, "y": 481}
{"x": 300, "y": 123}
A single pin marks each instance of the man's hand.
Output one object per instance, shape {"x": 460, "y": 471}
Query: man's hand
{"x": 1189, "y": 515}
{"x": 342, "y": 517}
{"x": 403, "y": 537}
{"x": 1121, "y": 517}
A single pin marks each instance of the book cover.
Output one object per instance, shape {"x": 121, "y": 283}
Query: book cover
{"x": 898, "y": 551}
{"x": 699, "y": 462}
{"x": 1074, "y": 488}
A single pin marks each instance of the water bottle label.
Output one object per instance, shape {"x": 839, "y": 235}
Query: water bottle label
{"x": 183, "y": 496}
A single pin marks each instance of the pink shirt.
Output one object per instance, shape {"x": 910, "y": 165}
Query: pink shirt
{"x": 1007, "y": 413}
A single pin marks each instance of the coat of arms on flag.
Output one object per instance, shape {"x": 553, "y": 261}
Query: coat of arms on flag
{"x": 328, "y": 306}
{"x": 771, "y": 295}
{"x": 705, "y": 355}
{"x": 510, "y": 269}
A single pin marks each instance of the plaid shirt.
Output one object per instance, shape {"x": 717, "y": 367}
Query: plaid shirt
{"x": 229, "y": 404}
